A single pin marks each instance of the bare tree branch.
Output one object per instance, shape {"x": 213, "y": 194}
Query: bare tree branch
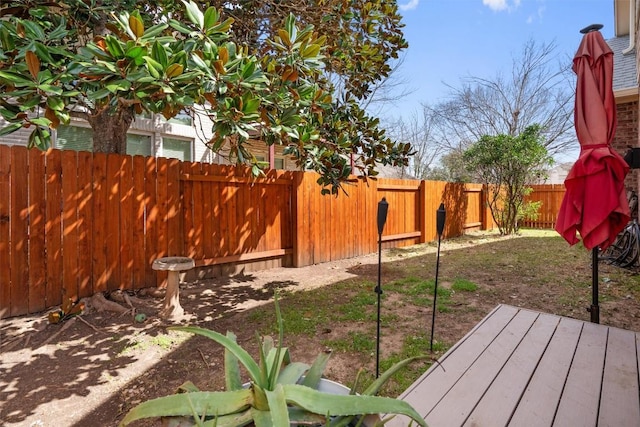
{"x": 536, "y": 91}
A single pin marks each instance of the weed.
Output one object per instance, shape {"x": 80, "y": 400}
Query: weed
{"x": 359, "y": 308}
{"x": 464, "y": 285}
{"x": 356, "y": 341}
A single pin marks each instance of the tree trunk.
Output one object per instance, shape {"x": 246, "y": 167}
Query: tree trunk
{"x": 110, "y": 130}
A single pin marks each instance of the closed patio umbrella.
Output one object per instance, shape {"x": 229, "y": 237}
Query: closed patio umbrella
{"x": 595, "y": 203}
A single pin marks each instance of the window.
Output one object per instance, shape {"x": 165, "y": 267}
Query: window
{"x": 182, "y": 118}
{"x": 74, "y": 138}
{"x": 175, "y": 148}
{"x": 138, "y": 145}
{"x": 278, "y": 162}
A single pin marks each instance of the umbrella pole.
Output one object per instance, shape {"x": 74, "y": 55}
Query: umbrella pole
{"x": 595, "y": 308}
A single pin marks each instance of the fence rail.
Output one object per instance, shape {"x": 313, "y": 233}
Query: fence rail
{"x": 76, "y": 223}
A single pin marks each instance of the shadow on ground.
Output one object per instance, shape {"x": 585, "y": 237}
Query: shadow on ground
{"x": 46, "y": 368}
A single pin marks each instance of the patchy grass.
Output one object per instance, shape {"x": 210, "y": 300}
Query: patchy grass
{"x": 464, "y": 285}
{"x": 536, "y": 270}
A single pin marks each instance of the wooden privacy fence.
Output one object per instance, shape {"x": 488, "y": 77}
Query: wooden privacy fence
{"x": 76, "y": 223}
{"x": 551, "y": 196}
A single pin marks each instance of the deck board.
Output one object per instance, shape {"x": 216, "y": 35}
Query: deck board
{"x": 619, "y": 401}
{"x": 460, "y": 400}
{"x": 541, "y": 397}
{"x": 519, "y": 367}
{"x": 580, "y": 398}
{"x": 452, "y": 364}
{"x": 500, "y": 401}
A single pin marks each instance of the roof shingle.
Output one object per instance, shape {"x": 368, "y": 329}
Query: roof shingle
{"x": 624, "y": 66}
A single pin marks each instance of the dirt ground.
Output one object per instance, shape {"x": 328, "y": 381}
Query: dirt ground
{"x": 103, "y": 363}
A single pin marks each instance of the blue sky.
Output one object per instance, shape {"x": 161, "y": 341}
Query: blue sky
{"x": 451, "y": 39}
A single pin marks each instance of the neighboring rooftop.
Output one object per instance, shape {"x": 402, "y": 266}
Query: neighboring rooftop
{"x": 624, "y": 66}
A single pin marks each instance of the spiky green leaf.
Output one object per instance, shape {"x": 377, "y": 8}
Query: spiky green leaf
{"x": 185, "y": 404}
{"x": 243, "y": 356}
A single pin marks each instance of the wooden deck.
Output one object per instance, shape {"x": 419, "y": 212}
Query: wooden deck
{"x": 519, "y": 367}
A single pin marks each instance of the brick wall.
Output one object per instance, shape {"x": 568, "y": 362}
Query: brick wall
{"x": 627, "y": 136}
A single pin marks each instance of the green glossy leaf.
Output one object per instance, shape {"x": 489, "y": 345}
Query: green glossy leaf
{"x": 39, "y": 138}
{"x": 185, "y": 404}
{"x": 16, "y": 79}
{"x": 311, "y": 51}
{"x": 248, "y": 69}
{"x": 55, "y": 103}
{"x": 159, "y": 54}
{"x": 118, "y": 86}
{"x": 41, "y": 121}
{"x": 114, "y": 47}
{"x": 222, "y": 27}
{"x": 59, "y": 32}
{"x": 154, "y": 67}
{"x": 135, "y": 52}
{"x": 33, "y": 30}
{"x": 6, "y": 41}
{"x": 194, "y": 13}
{"x": 152, "y": 32}
{"x": 10, "y": 128}
{"x": 179, "y": 26}
{"x": 251, "y": 106}
{"x": 50, "y": 89}
{"x": 43, "y": 53}
{"x": 290, "y": 26}
{"x": 91, "y": 50}
{"x": 99, "y": 94}
{"x": 211, "y": 17}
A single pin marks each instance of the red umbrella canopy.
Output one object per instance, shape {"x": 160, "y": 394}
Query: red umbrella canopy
{"x": 595, "y": 203}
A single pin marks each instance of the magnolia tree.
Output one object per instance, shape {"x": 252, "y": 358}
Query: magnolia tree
{"x": 108, "y": 68}
{"x": 508, "y": 165}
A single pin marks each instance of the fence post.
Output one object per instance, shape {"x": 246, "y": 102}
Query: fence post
{"x": 422, "y": 220}
{"x": 300, "y": 249}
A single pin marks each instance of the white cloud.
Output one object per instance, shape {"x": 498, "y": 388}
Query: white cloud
{"x": 541, "y": 10}
{"x": 409, "y": 6}
{"x": 538, "y": 15}
{"x": 500, "y": 5}
{"x": 496, "y": 5}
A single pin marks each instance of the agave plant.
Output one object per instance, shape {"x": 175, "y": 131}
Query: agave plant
{"x": 280, "y": 392}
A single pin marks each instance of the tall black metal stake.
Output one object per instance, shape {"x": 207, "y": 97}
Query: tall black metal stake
{"x": 383, "y": 208}
{"x": 441, "y": 215}
{"x": 595, "y": 307}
